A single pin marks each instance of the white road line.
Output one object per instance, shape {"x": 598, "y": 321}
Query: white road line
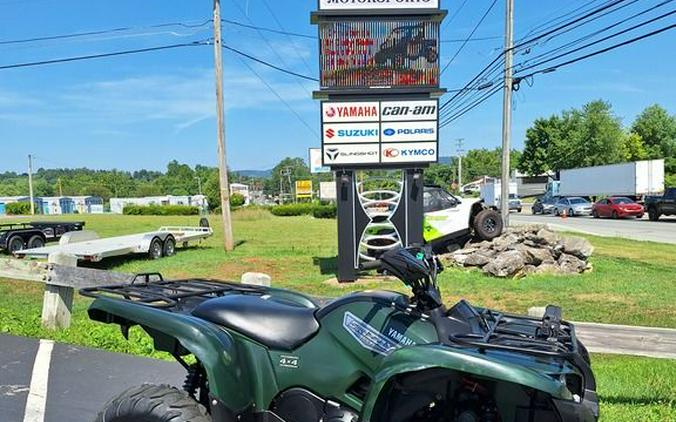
{"x": 37, "y": 396}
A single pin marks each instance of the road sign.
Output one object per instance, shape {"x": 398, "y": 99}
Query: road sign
{"x": 303, "y": 189}
{"x": 316, "y": 165}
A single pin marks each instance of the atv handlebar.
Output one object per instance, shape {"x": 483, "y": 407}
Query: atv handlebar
{"x": 371, "y": 265}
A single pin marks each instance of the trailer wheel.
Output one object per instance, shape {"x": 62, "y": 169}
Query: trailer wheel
{"x": 153, "y": 403}
{"x": 155, "y": 250}
{"x": 653, "y": 215}
{"x": 36, "y": 242}
{"x": 488, "y": 224}
{"x": 169, "y": 247}
{"x": 14, "y": 244}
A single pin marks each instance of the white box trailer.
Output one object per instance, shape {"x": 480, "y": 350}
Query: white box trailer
{"x": 492, "y": 191}
{"x": 634, "y": 179}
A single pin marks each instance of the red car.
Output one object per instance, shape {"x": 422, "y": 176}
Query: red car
{"x": 617, "y": 207}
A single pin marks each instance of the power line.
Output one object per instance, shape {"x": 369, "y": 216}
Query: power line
{"x": 280, "y": 98}
{"x": 104, "y": 32}
{"x": 596, "y": 53}
{"x": 462, "y": 46}
{"x": 293, "y": 42}
{"x": 471, "y": 107}
{"x": 593, "y": 34}
{"x": 268, "y": 64}
{"x": 102, "y": 55}
{"x": 271, "y": 30}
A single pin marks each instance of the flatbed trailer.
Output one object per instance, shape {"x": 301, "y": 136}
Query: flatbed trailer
{"x": 35, "y": 234}
{"x": 87, "y": 246}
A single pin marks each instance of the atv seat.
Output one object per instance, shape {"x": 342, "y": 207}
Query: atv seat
{"x": 274, "y": 324}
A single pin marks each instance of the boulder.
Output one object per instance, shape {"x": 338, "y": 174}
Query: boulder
{"x": 256, "y": 279}
{"x": 548, "y": 268}
{"x": 526, "y": 251}
{"x": 479, "y": 258}
{"x": 504, "y": 242}
{"x": 570, "y": 264}
{"x": 545, "y": 237}
{"x": 505, "y": 264}
{"x": 527, "y": 270}
{"x": 577, "y": 246}
{"x": 541, "y": 255}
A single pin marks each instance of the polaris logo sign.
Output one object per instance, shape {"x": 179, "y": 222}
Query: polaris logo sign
{"x": 415, "y": 152}
{"x": 409, "y": 131}
{"x": 377, "y": 4}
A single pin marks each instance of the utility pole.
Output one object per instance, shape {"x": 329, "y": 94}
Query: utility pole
{"x": 199, "y": 184}
{"x": 460, "y": 152}
{"x": 507, "y": 112}
{"x": 60, "y": 187}
{"x": 229, "y": 243}
{"x": 30, "y": 183}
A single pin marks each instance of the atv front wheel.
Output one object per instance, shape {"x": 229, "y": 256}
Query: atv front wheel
{"x": 153, "y": 403}
{"x": 488, "y": 225}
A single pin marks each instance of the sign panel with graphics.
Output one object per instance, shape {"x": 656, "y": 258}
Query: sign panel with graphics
{"x": 409, "y": 131}
{"x": 340, "y": 112}
{"x": 359, "y": 154}
{"x": 406, "y": 111}
{"x": 412, "y": 152}
{"x": 327, "y": 191}
{"x": 303, "y": 188}
{"x": 316, "y": 165}
{"x": 352, "y": 141}
{"x": 351, "y": 133}
{"x": 377, "y": 4}
{"x": 385, "y": 53}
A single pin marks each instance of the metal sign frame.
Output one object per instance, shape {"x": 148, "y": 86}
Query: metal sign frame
{"x": 391, "y": 7}
{"x": 380, "y": 164}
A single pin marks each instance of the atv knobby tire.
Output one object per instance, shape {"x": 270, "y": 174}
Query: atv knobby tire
{"x": 488, "y": 225}
{"x": 153, "y": 403}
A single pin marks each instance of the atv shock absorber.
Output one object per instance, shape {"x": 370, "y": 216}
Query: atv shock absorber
{"x": 192, "y": 380}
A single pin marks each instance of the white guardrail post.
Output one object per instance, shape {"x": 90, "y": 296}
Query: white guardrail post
{"x": 57, "y": 304}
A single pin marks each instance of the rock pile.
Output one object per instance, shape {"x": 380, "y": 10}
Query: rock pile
{"x": 525, "y": 250}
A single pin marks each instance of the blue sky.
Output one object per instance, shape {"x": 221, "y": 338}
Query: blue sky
{"x": 140, "y": 111}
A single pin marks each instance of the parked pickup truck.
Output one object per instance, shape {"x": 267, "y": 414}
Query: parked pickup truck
{"x": 661, "y": 205}
{"x": 18, "y": 236}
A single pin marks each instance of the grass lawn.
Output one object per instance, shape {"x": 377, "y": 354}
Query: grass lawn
{"x": 632, "y": 283}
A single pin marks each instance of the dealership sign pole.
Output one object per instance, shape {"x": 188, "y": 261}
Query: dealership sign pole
{"x": 379, "y": 91}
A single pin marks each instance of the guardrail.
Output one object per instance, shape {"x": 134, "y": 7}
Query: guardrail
{"x": 61, "y": 277}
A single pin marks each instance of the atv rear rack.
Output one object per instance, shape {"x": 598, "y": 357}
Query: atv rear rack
{"x": 152, "y": 290}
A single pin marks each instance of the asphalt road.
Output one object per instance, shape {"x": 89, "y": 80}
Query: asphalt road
{"x": 77, "y": 381}
{"x": 663, "y": 230}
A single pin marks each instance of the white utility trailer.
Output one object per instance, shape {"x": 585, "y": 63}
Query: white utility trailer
{"x": 87, "y": 246}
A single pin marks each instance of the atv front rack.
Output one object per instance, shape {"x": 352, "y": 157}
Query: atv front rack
{"x": 152, "y": 290}
{"x": 546, "y": 337}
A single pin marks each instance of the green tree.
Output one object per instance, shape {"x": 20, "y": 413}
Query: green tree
{"x": 540, "y": 139}
{"x": 657, "y": 129}
{"x": 632, "y": 148}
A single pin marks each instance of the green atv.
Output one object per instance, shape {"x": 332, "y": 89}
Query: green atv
{"x": 271, "y": 355}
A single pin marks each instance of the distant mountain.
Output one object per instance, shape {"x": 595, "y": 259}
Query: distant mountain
{"x": 261, "y": 174}
{"x": 445, "y": 160}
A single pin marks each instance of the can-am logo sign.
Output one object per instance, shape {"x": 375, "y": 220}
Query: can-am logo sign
{"x": 377, "y": 4}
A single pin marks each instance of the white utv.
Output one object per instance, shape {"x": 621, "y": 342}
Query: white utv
{"x": 451, "y": 221}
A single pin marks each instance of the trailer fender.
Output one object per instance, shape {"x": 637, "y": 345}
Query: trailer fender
{"x": 419, "y": 358}
{"x": 182, "y": 334}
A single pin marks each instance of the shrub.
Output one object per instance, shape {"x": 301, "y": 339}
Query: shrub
{"x": 160, "y": 210}
{"x": 290, "y": 210}
{"x": 325, "y": 211}
{"x": 18, "y": 208}
{"x": 237, "y": 200}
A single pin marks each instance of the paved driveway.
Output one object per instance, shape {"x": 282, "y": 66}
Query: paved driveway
{"x": 663, "y": 230}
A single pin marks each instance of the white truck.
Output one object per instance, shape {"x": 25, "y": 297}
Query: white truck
{"x": 634, "y": 179}
{"x": 492, "y": 191}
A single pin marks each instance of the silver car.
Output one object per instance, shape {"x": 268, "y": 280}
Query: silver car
{"x": 573, "y": 206}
